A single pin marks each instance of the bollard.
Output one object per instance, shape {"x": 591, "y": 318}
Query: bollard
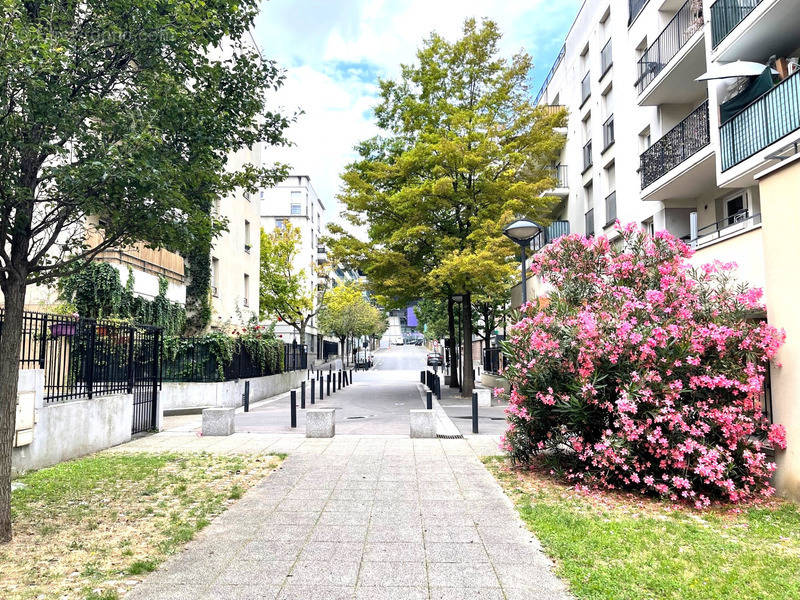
{"x": 474, "y": 412}
{"x": 329, "y": 385}
{"x": 422, "y": 376}
{"x": 313, "y": 381}
{"x": 340, "y": 380}
{"x": 293, "y": 408}
{"x": 246, "y": 396}
{"x": 429, "y": 400}
{"x": 321, "y": 388}
{"x": 333, "y": 384}
{"x": 350, "y": 379}
{"x": 302, "y": 394}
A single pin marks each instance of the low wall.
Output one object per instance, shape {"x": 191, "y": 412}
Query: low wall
{"x": 70, "y": 429}
{"x": 186, "y": 396}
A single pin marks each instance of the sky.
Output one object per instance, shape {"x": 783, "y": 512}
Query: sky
{"x": 335, "y": 51}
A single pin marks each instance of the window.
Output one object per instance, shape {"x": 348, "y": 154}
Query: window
{"x": 608, "y": 133}
{"x": 644, "y": 140}
{"x": 606, "y": 59}
{"x": 735, "y": 209}
{"x": 589, "y": 222}
{"x": 215, "y": 277}
{"x": 611, "y": 208}
{"x": 296, "y": 209}
{"x": 247, "y": 236}
{"x": 296, "y": 197}
{"x": 281, "y": 223}
{"x": 246, "y": 297}
{"x": 648, "y": 227}
{"x": 586, "y": 88}
{"x": 587, "y": 156}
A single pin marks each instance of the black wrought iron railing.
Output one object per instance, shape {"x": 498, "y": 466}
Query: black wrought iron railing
{"x": 634, "y": 8}
{"x": 611, "y": 208}
{"x": 587, "y": 156}
{"x": 678, "y": 144}
{"x": 589, "y": 222}
{"x": 738, "y": 221}
{"x": 586, "y": 88}
{"x": 555, "y": 230}
{"x": 606, "y": 59}
{"x": 726, "y": 15}
{"x": 608, "y": 132}
{"x": 687, "y": 21}
{"x": 761, "y": 123}
{"x": 493, "y": 360}
{"x": 85, "y": 358}
{"x": 550, "y": 74}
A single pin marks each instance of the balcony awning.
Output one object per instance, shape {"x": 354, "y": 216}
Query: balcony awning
{"x": 758, "y": 87}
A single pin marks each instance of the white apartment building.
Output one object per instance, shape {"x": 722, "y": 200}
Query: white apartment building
{"x": 295, "y": 202}
{"x": 649, "y": 143}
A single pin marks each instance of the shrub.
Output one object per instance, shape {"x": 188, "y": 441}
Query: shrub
{"x": 640, "y": 372}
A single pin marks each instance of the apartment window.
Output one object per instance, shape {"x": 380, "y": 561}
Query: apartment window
{"x": 246, "y": 297}
{"x": 644, "y": 140}
{"x": 281, "y": 223}
{"x": 586, "y": 88}
{"x": 589, "y": 222}
{"x": 296, "y": 197}
{"x": 611, "y": 208}
{"x": 608, "y": 132}
{"x": 648, "y": 227}
{"x": 735, "y": 209}
{"x": 587, "y": 156}
{"x": 606, "y": 59}
{"x": 215, "y": 277}
{"x": 247, "y": 237}
{"x": 296, "y": 209}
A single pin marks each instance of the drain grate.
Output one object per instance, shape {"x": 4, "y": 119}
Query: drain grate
{"x": 359, "y": 417}
{"x": 449, "y": 437}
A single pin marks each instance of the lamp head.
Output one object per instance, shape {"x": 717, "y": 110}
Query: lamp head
{"x": 522, "y": 231}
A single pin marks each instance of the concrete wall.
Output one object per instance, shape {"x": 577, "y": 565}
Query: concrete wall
{"x": 70, "y": 429}
{"x": 225, "y": 394}
{"x": 745, "y": 248}
{"x": 781, "y": 226}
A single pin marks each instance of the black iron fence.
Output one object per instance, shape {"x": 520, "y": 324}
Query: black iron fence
{"x": 493, "y": 360}
{"x": 678, "y": 144}
{"x": 329, "y": 349}
{"x": 200, "y": 360}
{"x": 86, "y": 358}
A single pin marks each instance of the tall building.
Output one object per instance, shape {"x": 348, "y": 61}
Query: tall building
{"x": 295, "y": 202}
{"x": 648, "y": 142}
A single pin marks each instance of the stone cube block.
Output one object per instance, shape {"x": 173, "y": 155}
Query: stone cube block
{"x": 423, "y": 424}
{"x": 321, "y": 422}
{"x": 218, "y": 421}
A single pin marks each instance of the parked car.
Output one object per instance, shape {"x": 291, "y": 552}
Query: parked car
{"x": 435, "y": 359}
{"x": 418, "y": 342}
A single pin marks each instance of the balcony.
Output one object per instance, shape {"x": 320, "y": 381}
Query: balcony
{"x": 555, "y": 230}
{"x": 679, "y": 144}
{"x": 753, "y": 29}
{"x": 726, "y": 15}
{"x": 611, "y": 209}
{"x": 560, "y": 173}
{"x": 766, "y": 120}
{"x": 550, "y": 74}
{"x": 634, "y": 8}
{"x": 668, "y": 68}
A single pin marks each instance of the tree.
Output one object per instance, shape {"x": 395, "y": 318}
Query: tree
{"x": 463, "y": 151}
{"x": 348, "y": 314}
{"x": 285, "y": 291}
{"x": 116, "y": 121}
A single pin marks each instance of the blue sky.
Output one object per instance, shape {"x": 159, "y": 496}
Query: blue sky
{"x": 334, "y": 51}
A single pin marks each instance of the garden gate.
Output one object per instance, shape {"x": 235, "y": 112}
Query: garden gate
{"x": 145, "y": 376}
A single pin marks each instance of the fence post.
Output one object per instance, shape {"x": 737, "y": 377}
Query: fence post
{"x": 43, "y": 344}
{"x": 156, "y": 376}
{"x": 313, "y": 381}
{"x": 89, "y": 366}
{"x": 131, "y": 335}
{"x": 302, "y": 394}
{"x": 293, "y": 408}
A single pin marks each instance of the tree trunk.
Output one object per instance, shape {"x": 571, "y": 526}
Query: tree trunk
{"x": 451, "y": 343}
{"x": 10, "y": 338}
{"x": 343, "y": 350}
{"x": 468, "y": 384}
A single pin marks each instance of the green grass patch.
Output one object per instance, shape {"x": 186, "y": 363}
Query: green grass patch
{"x": 624, "y": 547}
{"x": 89, "y": 529}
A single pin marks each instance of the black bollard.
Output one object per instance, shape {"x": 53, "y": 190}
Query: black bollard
{"x": 329, "y": 385}
{"x": 474, "y": 412}
{"x": 293, "y": 408}
{"x": 302, "y": 394}
{"x": 350, "y": 379}
{"x": 321, "y": 388}
{"x": 246, "y": 396}
{"x": 340, "y": 380}
{"x": 429, "y": 400}
{"x": 422, "y": 376}
{"x": 313, "y": 381}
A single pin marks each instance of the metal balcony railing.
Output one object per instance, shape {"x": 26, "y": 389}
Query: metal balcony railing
{"x": 678, "y": 31}
{"x": 552, "y": 109}
{"x": 678, "y": 144}
{"x": 726, "y": 15}
{"x": 739, "y": 221}
{"x": 547, "y": 79}
{"x": 764, "y": 121}
{"x": 634, "y": 8}
{"x": 608, "y": 132}
{"x": 611, "y": 208}
{"x": 555, "y": 230}
{"x": 586, "y": 88}
{"x": 606, "y": 59}
{"x": 587, "y": 156}
{"x": 589, "y": 222}
{"x": 560, "y": 173}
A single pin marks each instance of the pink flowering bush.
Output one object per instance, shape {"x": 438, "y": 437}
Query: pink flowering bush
{"x": 640, "y": 372}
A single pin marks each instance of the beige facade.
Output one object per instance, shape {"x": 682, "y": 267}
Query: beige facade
{"x": 780, "y": 193}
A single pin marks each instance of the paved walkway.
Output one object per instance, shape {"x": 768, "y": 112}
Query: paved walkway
{"x": 358, "y": 517}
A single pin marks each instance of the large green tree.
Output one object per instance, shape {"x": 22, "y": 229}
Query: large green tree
{"x": 463, "y": 152}
{"x": 116, "y": 121}
{"x": 347, "y": 314}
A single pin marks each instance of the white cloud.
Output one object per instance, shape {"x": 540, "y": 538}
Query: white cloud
{"x": 334, "y": 50}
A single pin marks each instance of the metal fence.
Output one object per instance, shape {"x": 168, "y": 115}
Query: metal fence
{"x": 493, "y": 360}
{"x": 85, "y": 358}
{"x": 195, "y": 360}
{"x": 726, "y": 15}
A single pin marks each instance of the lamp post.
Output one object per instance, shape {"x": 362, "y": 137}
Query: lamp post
{"x": 458, "y": 298}
{"x": 522, "y": 232}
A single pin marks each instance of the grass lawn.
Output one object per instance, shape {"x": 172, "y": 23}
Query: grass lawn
{"x": 620, "y": 546}
{"x": 91, "y": 529}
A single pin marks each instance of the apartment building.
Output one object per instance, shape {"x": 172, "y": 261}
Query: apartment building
{"x": 295, "y": 202}
{"x": 668, "y": 130}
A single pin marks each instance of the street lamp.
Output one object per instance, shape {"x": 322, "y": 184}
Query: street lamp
{"x": 522, "y": 232}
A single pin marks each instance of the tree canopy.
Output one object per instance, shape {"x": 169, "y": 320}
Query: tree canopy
{"x": 347, "y": 313}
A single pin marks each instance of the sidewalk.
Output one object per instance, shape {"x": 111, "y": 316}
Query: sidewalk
{"x": 357, "y": 517}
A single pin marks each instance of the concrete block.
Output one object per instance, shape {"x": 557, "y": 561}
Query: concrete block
{"x": 423, "y": 424}
{"x": 320, "y": 422}
{"x": 218, "y": 421}
{"x": 484, "y": 397}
